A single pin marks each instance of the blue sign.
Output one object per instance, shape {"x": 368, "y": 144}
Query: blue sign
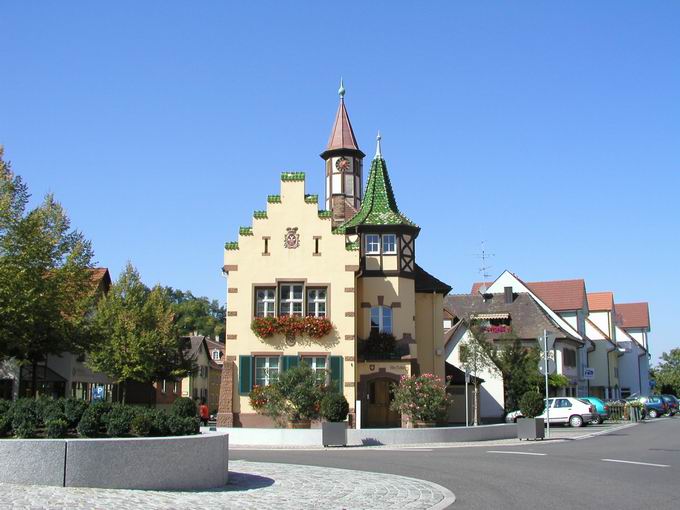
{"x": 98, "y": 393}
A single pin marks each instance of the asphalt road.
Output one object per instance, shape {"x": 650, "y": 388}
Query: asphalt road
{"x": 599, "y": 472}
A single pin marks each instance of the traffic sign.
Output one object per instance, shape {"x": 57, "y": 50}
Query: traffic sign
{"x": 550, "y": 341}
{"x": 588, "y": 373}
{"x": 551, "y": 367}
{"x": 98, "y": 393}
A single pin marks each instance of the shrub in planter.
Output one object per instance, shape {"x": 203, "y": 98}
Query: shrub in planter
{"x": 52, "y": 410}
{"x": 160, "y": 426}
{"x": 119, "y": 420}
{"x": 531, "y": 404}
{"x": 421, "y": 398}
{"x": 24, "y": 418}
{"x": 334, "y": 407}
{"x": 5, "y": 424}
{"x": 90, "y": 423}
{"x": 183, "y": 425}
{"x": 73, "y": 411}
{"x": 184, "y": 406}
{"x": 56, "y": 428}
{"x": 100, "y": 410}
{"x": 294, "y": 397}
{"x": 142, "y": 424}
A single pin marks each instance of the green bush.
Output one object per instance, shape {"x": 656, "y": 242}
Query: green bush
{"x": 5, "y": 406}
{"x": 5, "y": 424}
{"x": 56, "y": 428}
{"x": 184, "y": 406}
{"x": 183, "y": 425}
{"x": 334, "y": 407}
{"x": 52, "y": 410}
{"x": 142, "y": 424}
{"x": 101, "y": 409}
{"x": 25, "y": 418}
{"x": 73, "y": 411}
{"x": 160, "y": 425}
{"x": 421, "y": 398}
{"x": 119, "y": 420}
{"x": 90, "y": 423}
{"x": 531, "y": 404}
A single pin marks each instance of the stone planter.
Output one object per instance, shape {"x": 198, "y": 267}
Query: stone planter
{"x": 334, "y": 433}
{"x": 530, "y": 428}
{"x": 424, "y": 424}
{"x": 298, "y": 424}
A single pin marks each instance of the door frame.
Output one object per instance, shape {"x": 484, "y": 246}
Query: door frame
{"x": 365, "y": 380}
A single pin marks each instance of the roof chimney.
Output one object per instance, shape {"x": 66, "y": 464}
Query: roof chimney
{"x": 508, "y": 295}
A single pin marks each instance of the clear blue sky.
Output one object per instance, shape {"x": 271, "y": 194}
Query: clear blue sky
{"x": 549, "y": 130}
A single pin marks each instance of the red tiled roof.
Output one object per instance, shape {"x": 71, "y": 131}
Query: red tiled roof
{"x": 477, "y": 285}
{"x": 633, "y": 315}
{"x": 600, "y": 301}
{"x": 560, "y": 295}
{"x": 342, "y": 136}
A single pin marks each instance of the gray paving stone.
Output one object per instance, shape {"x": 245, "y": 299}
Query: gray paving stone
{"x": 251, "y": 485}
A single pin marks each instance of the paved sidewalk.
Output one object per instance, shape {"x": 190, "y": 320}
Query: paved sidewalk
{"x": 251, "y": 485}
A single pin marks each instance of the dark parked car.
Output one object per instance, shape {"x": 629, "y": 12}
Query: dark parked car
{"x": 654, "y": 406}
{"x": 673, "y": 404}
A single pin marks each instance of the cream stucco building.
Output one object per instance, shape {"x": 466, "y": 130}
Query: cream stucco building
{"x": 354, "y": 264}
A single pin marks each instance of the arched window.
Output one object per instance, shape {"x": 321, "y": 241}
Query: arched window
{"x": 381, "y": 319}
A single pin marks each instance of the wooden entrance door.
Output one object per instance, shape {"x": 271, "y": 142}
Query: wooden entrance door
{"x": 378, "y": 413}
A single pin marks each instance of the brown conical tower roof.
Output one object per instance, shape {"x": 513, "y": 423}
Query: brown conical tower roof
{"x": 342, "y": 136}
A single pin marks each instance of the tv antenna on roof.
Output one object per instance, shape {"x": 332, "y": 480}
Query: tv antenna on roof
{"x": 484, "y": 267}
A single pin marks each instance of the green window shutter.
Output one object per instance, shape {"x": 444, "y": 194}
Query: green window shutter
{"x": 336, "y": 372}
{"x": 245, "y": 374}
{"x": 290, "y": 362}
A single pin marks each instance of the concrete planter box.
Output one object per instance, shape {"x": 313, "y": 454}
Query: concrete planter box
{"x": 158, "y": 463}
{"x": 334, "y": 433}
{"x": 530, "y": 428}
{"x": 313, "y": 437}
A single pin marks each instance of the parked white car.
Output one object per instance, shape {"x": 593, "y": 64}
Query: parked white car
{"x": 569, "y": 410}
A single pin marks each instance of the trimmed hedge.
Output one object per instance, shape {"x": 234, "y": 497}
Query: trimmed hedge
{"x": 45, "y": 417}
{"x": 184, "y": 406}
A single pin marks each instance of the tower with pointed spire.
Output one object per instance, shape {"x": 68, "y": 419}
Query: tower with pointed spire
{"x": 344, "y": 166}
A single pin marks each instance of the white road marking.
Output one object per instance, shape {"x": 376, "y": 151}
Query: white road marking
{"x": 633, "y": 462}
{"x": 517, "y": 453}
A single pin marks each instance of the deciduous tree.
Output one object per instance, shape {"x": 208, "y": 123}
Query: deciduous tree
{"x": 46, "y": 285}
{"x": 138, "y": 338}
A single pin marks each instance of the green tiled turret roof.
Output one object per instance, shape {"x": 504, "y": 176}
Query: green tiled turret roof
{"x": 379, "y": 206}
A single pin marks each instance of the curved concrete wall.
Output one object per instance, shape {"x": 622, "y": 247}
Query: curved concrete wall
{"x": 169, "y": 463}
{"x": 312, "y": 437}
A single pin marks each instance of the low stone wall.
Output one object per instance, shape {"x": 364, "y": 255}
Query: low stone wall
{"x": 433, "y": 435}
{"x": 168, "y": 463}
{"x": 312, "y": 437}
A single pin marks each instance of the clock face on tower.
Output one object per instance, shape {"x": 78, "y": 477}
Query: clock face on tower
{"x": 342, "y": 164}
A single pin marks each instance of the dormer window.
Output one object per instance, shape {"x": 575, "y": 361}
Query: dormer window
{"x": 389, "y": 244}
{"x": 372, "y": 244}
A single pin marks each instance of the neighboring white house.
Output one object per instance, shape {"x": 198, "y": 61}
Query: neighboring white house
{"x": 603, "y": 359}
{"x": 505, "y": 316}
{"x": 633, "y": 326}
{"x": 566, "y": 303}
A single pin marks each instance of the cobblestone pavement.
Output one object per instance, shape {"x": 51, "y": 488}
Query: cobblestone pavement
{"x": 251, "y": 485}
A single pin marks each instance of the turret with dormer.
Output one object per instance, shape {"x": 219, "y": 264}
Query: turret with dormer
{"x": 386, "y": 236}
{"x": 344, "y": 167}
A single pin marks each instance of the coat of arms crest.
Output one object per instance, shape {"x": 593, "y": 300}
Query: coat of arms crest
{"x": 292, "y": 239}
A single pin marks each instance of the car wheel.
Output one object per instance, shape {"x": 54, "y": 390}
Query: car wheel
{"x": 653, "y": 413}
{"x": 597, "y": 421}
{"x": 576, "y": 421}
